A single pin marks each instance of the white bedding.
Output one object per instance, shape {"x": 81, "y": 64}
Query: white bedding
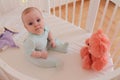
{"x": 72, "y": 69}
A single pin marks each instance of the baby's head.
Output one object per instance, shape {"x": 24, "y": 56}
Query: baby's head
{"x": 33, "y": 20}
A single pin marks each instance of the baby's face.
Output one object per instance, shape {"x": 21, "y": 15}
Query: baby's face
{"x": 34, "y": 22}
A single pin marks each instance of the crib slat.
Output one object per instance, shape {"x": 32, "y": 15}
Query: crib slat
{"x": 116, "y": 49}
{"x": 104, "y": 12}
{"x": 73, "y": 14}
{"x": 92, "y": 13}
{"x": 60, "y": 8}
{"x": 54, "y": 7}
{"x": 116, "y": 63}
{"x": 116, "y": 32}
{"x": 111, "y": 20}
{"x": 66, "y": 10}
{"x": 81, "y": 11}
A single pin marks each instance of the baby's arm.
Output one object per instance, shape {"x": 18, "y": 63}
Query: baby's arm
{"x": 29, "y": 48}
{"x": 51, "y": 39}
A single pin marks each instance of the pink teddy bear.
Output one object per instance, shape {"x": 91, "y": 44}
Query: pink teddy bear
{"x": 94, "y": 53}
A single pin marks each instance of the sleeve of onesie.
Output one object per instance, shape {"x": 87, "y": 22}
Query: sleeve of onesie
{"x": 29, "y": 46}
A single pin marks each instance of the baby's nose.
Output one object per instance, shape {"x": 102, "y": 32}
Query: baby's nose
{"x": 36, "y": 24}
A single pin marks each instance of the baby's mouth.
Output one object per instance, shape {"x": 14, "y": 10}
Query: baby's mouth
{"x": 38, "y": 29}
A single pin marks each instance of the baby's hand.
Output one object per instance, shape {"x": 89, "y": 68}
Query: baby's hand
{"x": 36, "y": 54}
{"x": 52, "y": 43}
{"x": 44, "y": 54}
{"x": 40, "y": 54}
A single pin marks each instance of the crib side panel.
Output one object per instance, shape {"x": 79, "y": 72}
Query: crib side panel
{"x": 70, "y": 12}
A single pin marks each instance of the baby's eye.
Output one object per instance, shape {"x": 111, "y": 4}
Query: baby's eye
{"x": 30, "y": 23}
{"x": 38, "y": 20}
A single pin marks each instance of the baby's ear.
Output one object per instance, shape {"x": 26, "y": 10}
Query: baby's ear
{"x": 87, "y": 41}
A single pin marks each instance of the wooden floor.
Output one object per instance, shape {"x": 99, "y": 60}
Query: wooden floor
{"x": 110, "y": 9}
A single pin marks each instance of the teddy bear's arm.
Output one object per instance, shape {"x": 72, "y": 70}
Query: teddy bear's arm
{"x": 87, "y": 62}
{"x": 84, "y": 52}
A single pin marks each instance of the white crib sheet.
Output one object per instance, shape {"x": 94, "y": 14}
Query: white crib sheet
{"x": 72, "y": 69}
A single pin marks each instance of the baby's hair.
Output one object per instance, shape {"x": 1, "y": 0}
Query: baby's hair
{"x": 29, "y": 9}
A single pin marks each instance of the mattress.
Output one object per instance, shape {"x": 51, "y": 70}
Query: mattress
{"x": 14, "y": 61}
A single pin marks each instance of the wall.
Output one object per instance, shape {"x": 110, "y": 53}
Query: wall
{"x": 9, "y": 5}
{"x": 57, "y": 2}
{"x": 41, "y": 4}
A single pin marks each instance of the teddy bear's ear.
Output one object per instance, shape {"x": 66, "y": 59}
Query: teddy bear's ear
{"x": 99, "y": 31}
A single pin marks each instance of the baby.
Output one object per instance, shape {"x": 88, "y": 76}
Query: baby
{"x": 40, "y": 39}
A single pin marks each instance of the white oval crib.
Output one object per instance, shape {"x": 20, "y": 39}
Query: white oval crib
{"x": 13, "y": 64}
